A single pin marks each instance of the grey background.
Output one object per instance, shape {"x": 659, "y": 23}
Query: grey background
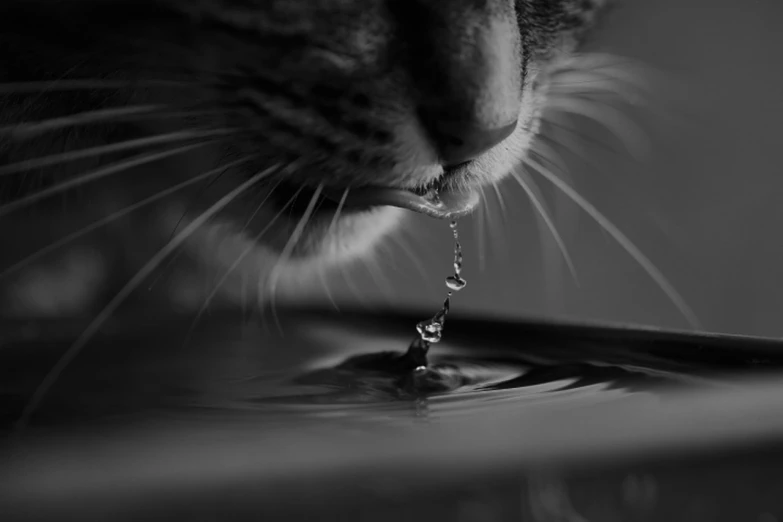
{"x": 704, "y": 205}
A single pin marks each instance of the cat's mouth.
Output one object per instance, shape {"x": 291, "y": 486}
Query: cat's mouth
{"x": 439, "y": 198}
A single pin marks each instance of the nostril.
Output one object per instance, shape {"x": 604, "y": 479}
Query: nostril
{"x": 460, "y": 142}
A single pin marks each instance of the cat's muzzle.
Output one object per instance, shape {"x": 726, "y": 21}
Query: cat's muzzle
{"x": 440, "y": 200}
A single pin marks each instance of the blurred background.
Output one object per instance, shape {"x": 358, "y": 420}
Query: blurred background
{"x": 703, "y": 203}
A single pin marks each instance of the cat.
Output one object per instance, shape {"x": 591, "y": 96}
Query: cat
{"x": 221, "y": 150}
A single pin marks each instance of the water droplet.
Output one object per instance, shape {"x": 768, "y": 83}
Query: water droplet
{"x": 455, "y": 283}
{"x": 458, "y": 261}
{"x": 433, "y": 197}
{"x": 431, "y": 331}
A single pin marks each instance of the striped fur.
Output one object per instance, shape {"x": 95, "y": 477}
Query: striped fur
{"x": 327, "y": 90}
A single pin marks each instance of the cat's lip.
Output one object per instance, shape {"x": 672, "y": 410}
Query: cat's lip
{"x": 442, "y": 202}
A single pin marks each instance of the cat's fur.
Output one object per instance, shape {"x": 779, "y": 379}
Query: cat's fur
{"x": 330, "y": 91}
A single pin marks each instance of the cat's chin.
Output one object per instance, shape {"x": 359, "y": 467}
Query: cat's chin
{"x": 233, "y": 264}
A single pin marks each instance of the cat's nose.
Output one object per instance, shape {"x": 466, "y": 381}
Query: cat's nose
{"x": 466, "y": 62}
{"x": 458, "y": 142}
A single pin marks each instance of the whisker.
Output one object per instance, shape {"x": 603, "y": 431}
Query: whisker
{"x": 543, "y": 214}
{"x": 173, "y": 259}
{"x": 622, "y": 240}
{"x": 83, "y": 85}
{"x": 95, "y": 175}
{"x": 547, "y": 151}
{"x": 288, "y": 249}
{"x": 14, "y": 168}
{"x": 338, "y": 211}
{"x": 501, "y": 202}
{"x": 332, "y": 224}
{"x": 266, "y": 197}
{"x": 378, "y": 277}
{"x": 69, "y": 355}
{"x": 552, "y": 257}
{"x": 30, "y": 129}
{"x": 607, "y": 63}
{"x": 350, "y": 284}
{"x": 116, "y": 215}
{"x": 549, "y": 119}
{"x": 404, "y": 246}
{"x": 186, "y": 210}
{"x": 503, "y": 221}
{"x": 589, "y": 82}
{"x": 565, "y": 212}
{"x": 253, "y": 245}
{"x": 481, "y": 230}
{"x": 327, "y": 289}
{"x": 548, "y": 143}
{"x": 622, "y": 127}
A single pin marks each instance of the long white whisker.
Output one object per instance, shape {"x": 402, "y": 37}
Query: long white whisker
{"x": 500, "y": 201}
{"x": 503, "y": 222}
{"x": 622, "y": 127}
{"x": 546, "y": 142}
{"x": 564, "y": 213}
{"x": 404, "y": 244}
{"x": 327, "y": 289}
{"x": 94, "y": 175}
{"x": 288, "y": 249}
{"x": 73, "y": 155}
{"x": 622, "y": 239}
{"x": 555, "y": 120}
{"x": 633, "y": 73}
{"x": 543, "y": 213}
{"x": 381, "y": 281}
{"x": 81, "y": 85}
{"x": 577, "y": 85}
{"x": 349, "y": 283}
{"x": 481, "y": 226}
{"x": 332, "y": 224}
{"x": 113, "y": 217}
{"x": 242, "y": 255}
{"x": 29, "y": 129}
{"x": 126, "y": 291}
{"x": 266, "y": 197}
{"x": 338, "y": 211}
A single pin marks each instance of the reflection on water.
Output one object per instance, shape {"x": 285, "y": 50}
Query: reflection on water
{"x": 330, "y": 404}
{"x": 353, "y": 366}
{"x": 317, "y": 367}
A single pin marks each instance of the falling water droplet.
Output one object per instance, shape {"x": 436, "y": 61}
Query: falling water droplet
{"x": 455, "y": 283}
{"x": 431, "y": 331}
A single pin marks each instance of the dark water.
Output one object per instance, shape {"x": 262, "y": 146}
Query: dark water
{"x": 318, "y": 365}
{"x": 328, "y": 408}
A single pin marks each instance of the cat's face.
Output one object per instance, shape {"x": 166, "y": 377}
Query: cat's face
{"x": 326, "y": 97}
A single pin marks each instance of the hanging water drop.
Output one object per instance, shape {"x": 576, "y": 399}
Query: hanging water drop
{"x": 455, "y": 283}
